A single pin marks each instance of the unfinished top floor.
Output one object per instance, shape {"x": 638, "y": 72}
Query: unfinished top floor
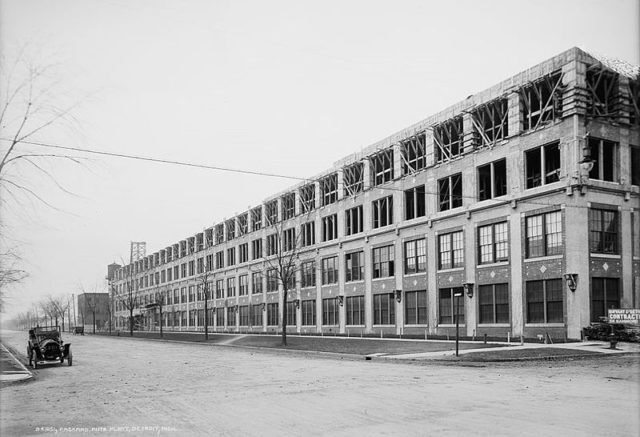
{"x": 574, "y": 83}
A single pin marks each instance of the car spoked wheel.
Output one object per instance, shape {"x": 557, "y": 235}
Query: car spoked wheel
{"x": 70, "y": 358}
{"x": 34, "y": 359}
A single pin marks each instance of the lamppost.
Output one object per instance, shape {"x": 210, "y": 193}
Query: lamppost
{"x": 457, "y": 294}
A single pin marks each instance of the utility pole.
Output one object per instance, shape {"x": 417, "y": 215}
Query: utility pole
{"x": 73, "y": 301}
{"x": 457, "y": 296}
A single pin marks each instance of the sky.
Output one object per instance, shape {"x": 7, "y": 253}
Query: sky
{"x": 284, "y": 87}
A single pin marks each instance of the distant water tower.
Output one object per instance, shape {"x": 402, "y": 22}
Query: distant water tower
{"x": 138, "y": 251}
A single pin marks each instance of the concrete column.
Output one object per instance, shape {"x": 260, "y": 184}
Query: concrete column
{"x": 626, "y": 253}
{"x": 366, "y": 174}
{"x": 514, "y": 118}
{"x": 368, "y": 296}
{"x": 432, "y": 286}
{"x": 468, "y": 132}
{"x": 341, "y": 283}
{"x": 397, "y": 161}
{"x": 576, "y": 226}
{"x": 516, "y": 281}
{"x": 470, "y": 252}
{"x": 399, "y": 266}
{"x": 340, "y": 184}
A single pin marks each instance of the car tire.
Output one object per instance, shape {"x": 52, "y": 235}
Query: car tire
{"x": 34, "y": 358}
{"x": 69, "y": 358}
{"x": 29, "y": 355}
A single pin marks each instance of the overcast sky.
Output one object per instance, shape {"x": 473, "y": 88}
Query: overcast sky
{"x": 285, "y": 87}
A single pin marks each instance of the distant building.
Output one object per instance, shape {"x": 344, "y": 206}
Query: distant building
{"x": 517, "y": 208}
{"x": 90, "y": 305}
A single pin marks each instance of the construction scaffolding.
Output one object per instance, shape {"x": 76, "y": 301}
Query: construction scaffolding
{"x": 448, "y": 138}
{"x": 413, "y": 153}
{"x": 490, "y": 123}
{"x": 353, "y": 177}
{"x": 541, "y": 101}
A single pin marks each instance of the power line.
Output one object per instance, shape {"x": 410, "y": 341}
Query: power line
{"x": 157, "y": 160}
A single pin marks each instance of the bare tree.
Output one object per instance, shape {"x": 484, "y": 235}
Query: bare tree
{"x": 283, "y": 246}
{"x": 129, "y": 298}
{"x": 32, "y": 104}
{"x": 59, "y": 306}
{"x": 158, "y": 300}
{"x": 204, "y": 285}
{"x": 49, "y": 311}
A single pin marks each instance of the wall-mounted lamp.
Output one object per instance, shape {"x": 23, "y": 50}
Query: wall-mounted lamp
{"x": 236, "y": 308}
{"x": 398, "y": 296}
{"x": 297, "y": 302}
{"x": 341, "y": 300}
{"x": 572, "y": 280}
{"x": 468, "y": 288}
{"x": 263, "y": 306}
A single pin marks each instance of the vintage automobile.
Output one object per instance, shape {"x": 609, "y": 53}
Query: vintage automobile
{"x": 45, "y": 346}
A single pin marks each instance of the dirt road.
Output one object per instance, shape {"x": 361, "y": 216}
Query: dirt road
{"x": 120, "y": 386}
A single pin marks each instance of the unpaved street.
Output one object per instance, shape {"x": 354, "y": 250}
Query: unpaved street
{"x": 196, "y": 389}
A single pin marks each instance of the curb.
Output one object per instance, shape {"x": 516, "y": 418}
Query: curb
{"x": 27, "y": 374}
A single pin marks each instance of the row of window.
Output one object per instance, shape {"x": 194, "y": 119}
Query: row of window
{"x": 543, "y": 237}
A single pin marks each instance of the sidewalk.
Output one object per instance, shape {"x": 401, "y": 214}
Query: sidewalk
{"x": 12, "y": 369}
{"x": 403, "y": 349}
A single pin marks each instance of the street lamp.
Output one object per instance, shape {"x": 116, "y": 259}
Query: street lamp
{"x": 457, "y": 294}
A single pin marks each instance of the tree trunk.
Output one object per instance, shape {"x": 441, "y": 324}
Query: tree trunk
{"x": 161, "y": 334}
{"x": 206, "y": 316}
{"x": 284, "y": 317}
{"x": 131, "y": 322}
{"x": 94, "y": 322}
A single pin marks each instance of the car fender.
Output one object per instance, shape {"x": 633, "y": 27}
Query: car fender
{"x": 67, "y": 346}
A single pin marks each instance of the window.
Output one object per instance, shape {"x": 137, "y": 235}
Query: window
{"x": 450, "y": 192}
{"x": 308, "y": 274}
{"x": 414, "y": 153}
{"x": 176, "y": 296}
{"x": 219, "y": 229}
{"x": 603, "y": 231}
{"x": 604, "y": 92}
{"x": 493, "y": 243}
{"x": 308, "y": 231}
{"x": 330, "y": 311}
{"x": 353, "y": 220}
{"x": 414, "y": 203}
{"x": 354, "y": 270}
{"x": 256, "y": 248}
{"x": 231, "y": 317}
{"x": 544, "y": 301}
{"x": 220, "y": 317}
{"x": 183, "y": 294}
{"x": 450, "y": 250}
{"x": 493, "y": 303}
{"x": 244, "y": 315}
{"x": 288, "y": 202}
{"x": 448, "y": 139}
{"x": 192, "y": 318}
{"x": 490, "y": 123}
{"x": 492, "y": 180}
{"x": 231, "y": 256}
{"x": 220, "y": 289}
{"x": 415, "y": 256}
{"x": 605, "y": 159}
{"x": 330, "y": 227}
{"x": 308, "y": 312}
{"x": 544, "y": 234}
{"x": 256, "y": 283}
{"x": 541, "y": 102}
{"x": 383, "y": 262}
{"x": 183, "y": 270}
{"x": 169, "y": 297}
{"x": 353, "y": 179}
{"x": 384, "y": 309}
{"x": 415, "y": 307}
{"x": 355, "y": 310}
{"x": 329, "y": 189}
{"x": 192, "y": 293}
{"x": 382, "y": 212}
{"x": 382, "y": 166}
{"x": 291, "y": 314}
{"x": 543, "y": 165}
{"x": 272, "y": 244}
{"x": 271, "y": 212}
{"x": 272, "y": 280}
{"x": 243, "y": 253}
{"x": 169, "y": 279}
{"x": 220, "y": 259}
{"x": 635, "y": 164}
{"x": 200, "y": 266}
{"x": 231, "y": 287}
{"x": 330, "y": 270}
{"x": 605, "y": 295}
{"x": 176, "y": 272}
{"x": 243, "y": 224}
{"x": 243, "y": 281}
{"x": 256, "y": 218}
{"x": 272, "y": 314}
{"x": 192, "y": 268}
{"x": 450, "y": 304}
{"x": 308, "y": 198}
{"x": 289, "y": 240}
{"x": 256, "y": 315}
